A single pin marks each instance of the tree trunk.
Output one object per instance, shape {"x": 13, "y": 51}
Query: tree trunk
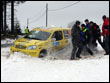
{"x": 1, "y": 20}
{"x": 5, "y": 22}
{"x": 12, "y": 17}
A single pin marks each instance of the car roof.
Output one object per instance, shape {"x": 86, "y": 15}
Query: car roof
{"x": 50, "y": 29}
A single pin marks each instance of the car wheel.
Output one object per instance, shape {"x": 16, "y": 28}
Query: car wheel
{"x": 42, "y": 54}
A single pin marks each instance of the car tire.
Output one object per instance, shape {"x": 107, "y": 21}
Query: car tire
{"x": 41, "y": 55}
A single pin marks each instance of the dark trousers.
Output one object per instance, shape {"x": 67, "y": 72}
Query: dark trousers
{"x": 76, "y": 51}
{"x": 99, "y": 40}
{"x": 88, "y": 50}
{"x": 106, "y": 44}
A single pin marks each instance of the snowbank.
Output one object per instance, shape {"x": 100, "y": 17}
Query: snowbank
{"x": 7, "y": 41}
{"x": 18, "y": 67}
{"x": 10, "y": 41}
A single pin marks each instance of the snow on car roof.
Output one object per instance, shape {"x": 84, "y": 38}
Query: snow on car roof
{"x": 48, "y": 29}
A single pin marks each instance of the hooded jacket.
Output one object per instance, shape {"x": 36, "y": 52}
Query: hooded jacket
{"x": 105, "y": 27}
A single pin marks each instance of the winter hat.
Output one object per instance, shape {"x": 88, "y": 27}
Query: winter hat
{"x": 91, "y": 22}
{"x": 83, "y": 25}
{"x": 77, "y": 22}
{"x": 104, "y": 17}
{"x": 86, "y": 20}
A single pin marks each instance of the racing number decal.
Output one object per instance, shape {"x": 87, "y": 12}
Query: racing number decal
{"x": 55, "y": 43}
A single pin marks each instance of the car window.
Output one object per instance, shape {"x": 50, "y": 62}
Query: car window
{"x": 58, "y": 35}
{"x": 66, "y": 34}
{"x": 38, "y": 35}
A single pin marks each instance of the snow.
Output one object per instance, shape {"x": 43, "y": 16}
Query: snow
{"x": 18, "y": 67}
{"x": 34, "y": 70}
{"x": 7, "y": 41}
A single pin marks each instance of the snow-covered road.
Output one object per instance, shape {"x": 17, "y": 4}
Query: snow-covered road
{"x": 18, "y": 67}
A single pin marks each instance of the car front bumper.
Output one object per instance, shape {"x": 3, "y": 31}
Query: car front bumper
{"x": 33, "y": 53}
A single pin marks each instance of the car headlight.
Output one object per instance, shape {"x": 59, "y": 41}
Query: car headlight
{"x": 32, "y": 47}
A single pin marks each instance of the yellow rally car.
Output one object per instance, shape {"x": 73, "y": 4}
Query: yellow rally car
{"x": 41, "y": 41}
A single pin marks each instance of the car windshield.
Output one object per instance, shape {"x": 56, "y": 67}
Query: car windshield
{"x": 38, "y": 35}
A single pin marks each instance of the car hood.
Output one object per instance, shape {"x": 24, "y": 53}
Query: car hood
{"x": 27, "y": 42}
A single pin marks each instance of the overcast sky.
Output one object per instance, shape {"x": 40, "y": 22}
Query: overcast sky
{"x": 93, "y": 10}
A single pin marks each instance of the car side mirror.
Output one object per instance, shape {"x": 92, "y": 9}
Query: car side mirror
{"x": 53, "y": 39}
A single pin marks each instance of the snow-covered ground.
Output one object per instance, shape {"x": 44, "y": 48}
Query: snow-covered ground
{"x": 18, "y": 67}
{"x": 7, "y": 41}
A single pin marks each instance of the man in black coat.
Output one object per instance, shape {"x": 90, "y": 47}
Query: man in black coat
{"x": 96, "y": 34}
{"x": 76, "y": 41}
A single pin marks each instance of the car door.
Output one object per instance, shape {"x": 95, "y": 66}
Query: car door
{"x": 66, "y": 38}
{"x": 57, "y": 44}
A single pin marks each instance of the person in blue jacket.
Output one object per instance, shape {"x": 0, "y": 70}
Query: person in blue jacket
{"x": 85, "y": 37}
{"x": 90, "y": 44}
{"x": 87, "y": 24}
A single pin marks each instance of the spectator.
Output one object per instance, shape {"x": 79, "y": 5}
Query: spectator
{"x": 105, "y": 32}
{"x": 85, "y": 36}
{"x": 96, "y": 34}
{"x": 87, "y": 24}
{"x": 76, "y": 41}
{"x": 27, "y": 30}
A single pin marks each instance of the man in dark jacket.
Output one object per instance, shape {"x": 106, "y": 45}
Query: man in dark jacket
{"x": 76, "y": 41}
{"x": 96, "y": 34}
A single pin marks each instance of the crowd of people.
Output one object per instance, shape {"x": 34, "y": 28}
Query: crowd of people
{"x": 86, "y": 35}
